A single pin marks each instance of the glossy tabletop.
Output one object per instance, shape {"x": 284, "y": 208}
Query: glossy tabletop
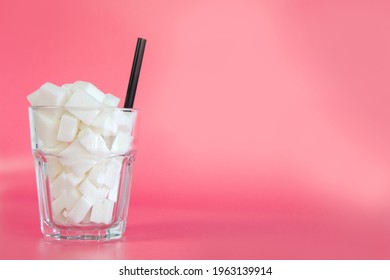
{"x": 285, "y": 225}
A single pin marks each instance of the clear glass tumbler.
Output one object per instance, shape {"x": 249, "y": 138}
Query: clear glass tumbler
{"x": 84, "y": 160}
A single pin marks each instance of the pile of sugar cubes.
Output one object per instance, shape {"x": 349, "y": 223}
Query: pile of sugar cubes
{"x": 84, "y": 138}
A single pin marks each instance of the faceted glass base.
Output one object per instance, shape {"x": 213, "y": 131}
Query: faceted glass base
{"x": 91, "y": 234}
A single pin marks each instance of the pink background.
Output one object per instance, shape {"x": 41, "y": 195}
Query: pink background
{"x": 264, "y": 130}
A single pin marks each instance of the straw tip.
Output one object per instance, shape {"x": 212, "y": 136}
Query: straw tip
{"x": 135, "y": 71}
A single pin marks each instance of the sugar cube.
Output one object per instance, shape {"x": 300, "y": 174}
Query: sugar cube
{"x": 63, "y": 182}
{"x": 81, "y": 98}
{"x": 77, "y": 159}
{"x": 105, "y": 124}
{"x": 111, "y": 100}
{"x": 106, "y": 173}
{"x": 108, "y": 207}
{"x": 122, "y": 143}
{"x": 72, "y": 196}
{"x": 68, "y": 128}
{"x": 102, "y": 212}
{"x": 55, "y": 150}
{"x": 58, "y": 204}
{"x": 48, "y": 95}
{"x": 34, "y": 98}
{"x": 89, "y": 191}
{"x": 52, "y": 95}
{"x": 79, "y": 210}
{"x": 46, "y": 129}
{"x": 93, "y": 142}
{"x": 53, "y": 167}
{"x": 90, "y": 89}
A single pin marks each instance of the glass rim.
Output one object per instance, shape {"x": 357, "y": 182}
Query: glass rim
{"x": 85, "y": 108}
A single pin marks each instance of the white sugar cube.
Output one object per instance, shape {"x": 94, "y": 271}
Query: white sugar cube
{"x": 46, "y": 129}
{"x": 79, "y": 166}
{"x": 75, "y": 149}
{"x": 68, "y": 128}
{"x": 66, "y": 200}
{"x": 109, "y": 140}
{"x": 53, "y": 113}
{"x": 89, "y": 191}
{"x": 113, "y": 194}
{"x": 58, "y": 204}
{"x": 48, "y": 95}
{"x": 111, "y": 100}
{"x": 93, "y": 142}
{"x": 125, "y": 120}
{"x": 90, "y": 89}
{"x": 60, "y": 218}
{"x": 96, "y": 214}
{"x": 113, "y": 172}
{"x": 72, "y": 196}
{"x": 87, "y": 217}
{"x": 102, "y": 193}
{"x": 108, "y": 207}
{"x": 73, "y": 179}
{"x": 68, "y": 89}
{"x": 52, "y": 95}
{"x": 105, "y": 124}
{"x": 83, "y": 165}
{"x": 98, "y": 174}
{"x": 113, "y": 181}
{"x": 89, "y": 105}
{"x": 59, "y": 185}
{"x": 55, "y": 150}
{"x": 77, "y": 159}
{"x": 64, "y": 181}
{"x": 102, "y": 212}
{"x": 122, "y": 143}
{"x": 53, "y": 168}
{"x": 79, "y": 210}
{"x": 34, "y": 98}
{"x": 106, "y": 173}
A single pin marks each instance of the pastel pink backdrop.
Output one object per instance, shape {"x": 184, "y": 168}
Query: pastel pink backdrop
{"x": 264, "y": 131}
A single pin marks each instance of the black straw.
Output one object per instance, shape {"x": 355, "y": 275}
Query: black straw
{"x": 135, "y": 70}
